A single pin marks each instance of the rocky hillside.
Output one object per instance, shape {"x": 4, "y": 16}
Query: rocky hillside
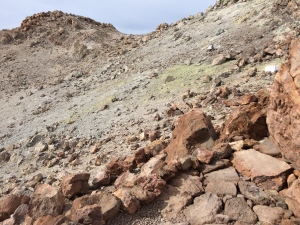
{"x": 185, "y": 125}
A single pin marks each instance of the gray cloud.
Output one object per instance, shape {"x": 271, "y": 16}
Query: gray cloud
{"x": 130, "y": 16}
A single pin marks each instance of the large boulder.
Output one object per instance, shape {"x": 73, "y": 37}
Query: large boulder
{"x": 194, "y": 130}
{"x": 283, "y": 116}
{"x": 272, "y": 175}
{"x": 46, "y": 200}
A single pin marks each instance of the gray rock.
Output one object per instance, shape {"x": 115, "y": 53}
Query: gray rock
{"x": 188, "y": 184}
{"x": 228, "y": 174}
{"x": 221, "y": 188}
{"x": 254, "y": 193}
{"x": 238, "y": 209}
{"x": 204, "y": 209}
{"x": 214, "y": 165}
{"x": 175, "y": 205}
{"x": 268, "y": 147}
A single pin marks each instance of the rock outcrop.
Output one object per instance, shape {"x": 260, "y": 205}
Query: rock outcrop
{"x": 283, "y": 116}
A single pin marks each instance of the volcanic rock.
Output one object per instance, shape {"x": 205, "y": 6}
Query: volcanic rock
{"x": 52, "y": 220}
{"x": 108, "y": 203}
{"x": 221, "y": 188}
{"x": 194, "y": 130}
{"x": 90, "y": 214}
{"x": 176, "y": 204}
{"x": 268, "y": 147}
{"x": 238, "y": 209}
{"x": 188, "y": 184}
{"x": 272, "y": 175}
{"x": 269, "y": 215}
{"x": 254, "y": 193}
{"x": 204, "y": 209}
{"x": 292, "y": 195}
{"x": 248, "y": 121}
{"x": 130, "y": 203}
{"x": 46, "y": 200}
{"x": 145, "y": 197}
{"x": 8, "y": 204}
{"x": 73, "y": 184}
{"x": 101, "y": 179}
{"x": 284, "y": 110}
{"x": 228, "y": 174}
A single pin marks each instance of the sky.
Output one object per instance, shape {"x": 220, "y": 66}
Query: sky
{"x": 128, "y": 16}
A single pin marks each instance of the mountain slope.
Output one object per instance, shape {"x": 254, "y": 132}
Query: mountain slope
{"x": 69, "y": 79}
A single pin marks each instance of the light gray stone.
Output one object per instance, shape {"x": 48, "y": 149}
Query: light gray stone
{"x": 204, "y": 209}
{"x": 238, "y": 209}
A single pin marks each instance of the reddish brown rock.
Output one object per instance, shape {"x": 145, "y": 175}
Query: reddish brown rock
{"x": 155, "y": 147}
{"x": 204, "y": 155}
{"x": 284, "y": 112}
{"x": 152, "y": 183}
{"x": 223, "y": 92}
{"x": 8, "y": 204}
{"x": 140, "y": 156}
{"x": 153, "y": 135}
{"x": 272, "y": 175}
{"x": 248, "y": 121}
{"x": 20, "y": 214}
{"x": 73, "y": 184}
{"x": 126, "y": 179}
{"x": 102, "y": 179}
{"x": 90, "y": 214}
{"x": 46, "y": 200}
{"x": 222, "y": 151}
{"x": 117, "y": 166}
{"x": 247, "y": 99}
{"x": 154, "y": 166}
{"x": 107, "y": 202}
{"x": 194, "y": 130}
{"x": 144, "y": 196}
{"x": 52, "y": 220}
{"x": 130, "y": 203}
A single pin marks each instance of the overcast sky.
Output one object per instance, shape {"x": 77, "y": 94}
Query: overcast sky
{"x": 128, "y": 16}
